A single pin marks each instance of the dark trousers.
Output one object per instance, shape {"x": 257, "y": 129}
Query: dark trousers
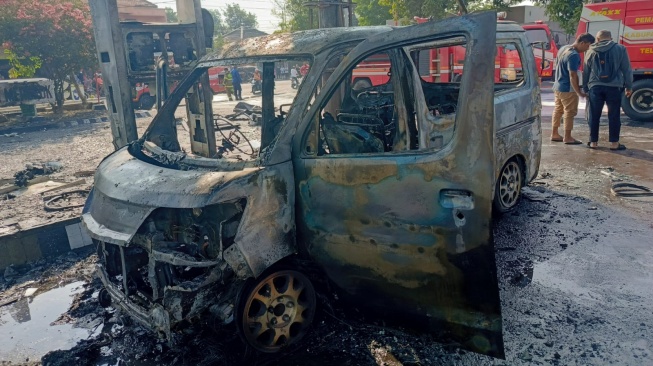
{"x": 238, "y": 91}
{"x": 598, "y": 96}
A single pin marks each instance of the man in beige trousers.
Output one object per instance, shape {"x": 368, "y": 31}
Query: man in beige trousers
{"x": 566, "y": 88}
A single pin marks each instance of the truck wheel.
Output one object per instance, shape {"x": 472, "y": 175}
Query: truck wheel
{"x": 147, "y": 102}
{"x": 640, "y": 104}
{"x": 275, "y": 311}
{"x": 507, "y": 191}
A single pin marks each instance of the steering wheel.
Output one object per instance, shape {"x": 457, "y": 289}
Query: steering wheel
{"x": 231, "y": 140}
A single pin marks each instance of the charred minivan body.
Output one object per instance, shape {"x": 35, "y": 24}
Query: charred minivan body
{"x": 386, "y": 189}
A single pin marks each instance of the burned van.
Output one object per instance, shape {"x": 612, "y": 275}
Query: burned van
{"x": 385, "y": 189}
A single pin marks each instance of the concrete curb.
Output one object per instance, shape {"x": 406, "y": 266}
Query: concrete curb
{"x": 45, "y": 241}
{"x": 65, "y": 124}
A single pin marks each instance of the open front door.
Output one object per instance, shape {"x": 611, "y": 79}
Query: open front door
{"x": 395, "y": 178}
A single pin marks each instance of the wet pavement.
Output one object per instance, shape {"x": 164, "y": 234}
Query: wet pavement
{"x": 575, "y": 268}
{"x": 29, "y": 327}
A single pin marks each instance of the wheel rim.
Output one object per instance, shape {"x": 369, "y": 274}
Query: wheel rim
{"x": 642, "y": 100}
{"x": 510, "y": 184}
{"x": 277, "y": 311}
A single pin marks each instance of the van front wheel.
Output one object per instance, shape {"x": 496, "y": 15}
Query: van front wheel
{"x": 276, "y": 311}
{"x": 508, "y": 187}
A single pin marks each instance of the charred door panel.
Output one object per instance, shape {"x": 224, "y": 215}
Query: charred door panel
{"x": 412, "y": 227}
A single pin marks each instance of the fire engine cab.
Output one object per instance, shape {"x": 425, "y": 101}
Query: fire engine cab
{"x": 631, "y": 24}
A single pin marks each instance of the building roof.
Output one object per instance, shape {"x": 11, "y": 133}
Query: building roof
{"x": 234, "y": 35}
{"x": 135, "y": 3}
{"x": 140, "y": 11}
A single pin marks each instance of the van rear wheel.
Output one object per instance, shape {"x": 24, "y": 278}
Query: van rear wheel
{"x": 507, "y": 192}
{"x": 276, "y": 311}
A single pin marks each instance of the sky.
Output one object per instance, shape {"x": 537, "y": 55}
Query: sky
{"x": 261, "y": 8}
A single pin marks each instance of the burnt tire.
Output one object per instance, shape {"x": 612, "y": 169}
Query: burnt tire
{"x": 507, "y": 191}
{"x": 275, "y": 311}
{"x": 146, "y": 102}
{"x": 104, "y": 298}
{"x": 639, "y": 106}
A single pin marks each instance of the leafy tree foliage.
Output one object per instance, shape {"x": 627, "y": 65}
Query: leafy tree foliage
{"x": 218, "y": 24}
{"x": 565, "y": 12}
{"x": 294, "y": 15}
{"x": 171, "y": 15}
{"x": 372, "y": 12}
{"x": 235, "y": 16}
{"x": 25, "y": 67}
{"x": 58, "y": 32}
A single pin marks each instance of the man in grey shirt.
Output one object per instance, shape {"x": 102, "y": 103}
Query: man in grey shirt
{"x": 606, "y": 72}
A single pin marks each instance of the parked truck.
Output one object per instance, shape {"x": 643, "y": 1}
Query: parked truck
{"x": 545, "y": 49}
{"x": 631, "y": 25}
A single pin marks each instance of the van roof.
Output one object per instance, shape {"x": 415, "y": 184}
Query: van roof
{"x": 309, "y": 42}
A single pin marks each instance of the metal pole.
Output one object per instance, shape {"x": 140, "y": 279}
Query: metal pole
{"x": 113, "y": 63}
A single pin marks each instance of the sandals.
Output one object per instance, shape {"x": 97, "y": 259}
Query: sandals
{"x": 619, "y": 147}
{"x": 575, "y": 142}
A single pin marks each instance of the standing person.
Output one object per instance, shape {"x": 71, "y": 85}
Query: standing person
{"x": 304, "y": 69}
{"x": 293, "y": 76}
{"x": 228, "y": 83}
{"x": 237, "y": 80}
{"x": 605, "y": 73}
{"x": 566, "y": 88}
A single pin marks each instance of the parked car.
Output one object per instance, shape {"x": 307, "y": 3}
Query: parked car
{"x": 386, "y": 191}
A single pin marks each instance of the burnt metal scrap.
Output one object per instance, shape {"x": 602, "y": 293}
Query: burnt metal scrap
{"x": 376, "y": 190}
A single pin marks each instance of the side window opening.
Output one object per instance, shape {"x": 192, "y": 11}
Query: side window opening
{"x": 360, "y": 110}
{"x": 438, "y": 70}
{"x": 508, "y": 61}
{"x": 370, "y": 111}
{"x": 246, "y": 123}
{"x": 440, "y": 67}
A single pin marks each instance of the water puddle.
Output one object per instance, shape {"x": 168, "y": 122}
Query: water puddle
{"x": 25, "y": 325}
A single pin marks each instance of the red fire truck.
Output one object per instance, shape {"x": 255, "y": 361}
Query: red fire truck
{"x": 631, "y": 24}
{"x": 216, "y": 80}
{"x": 440, "y": 65}
{"x": 540, "y": 36}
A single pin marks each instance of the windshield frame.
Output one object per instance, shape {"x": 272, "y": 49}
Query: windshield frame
{"x": 161, "y": 138}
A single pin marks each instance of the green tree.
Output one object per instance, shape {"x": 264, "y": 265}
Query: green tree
{"x": 171, "y": 15}
{"x": 25, "y": 67}
{"x": 235, "y": 17}
{"x": 565, "y": 12}
{"x": 294, "y": 15}
{"x": 218, "y": 28}
{"x": 58, "y": 32}
{"x": 372, "y": 12}
{"x": 218, "y": 23}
